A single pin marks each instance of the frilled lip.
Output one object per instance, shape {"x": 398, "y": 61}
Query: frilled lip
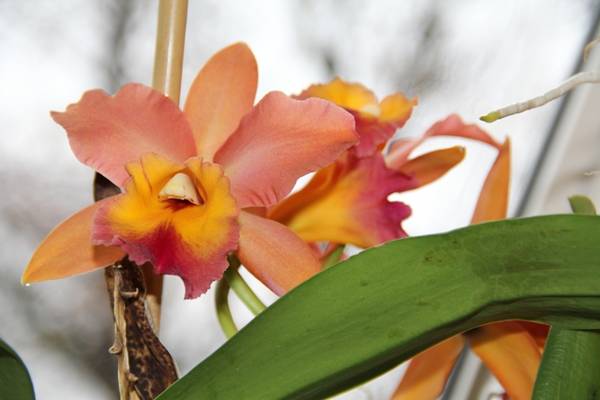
{"x": 176, "y": 236}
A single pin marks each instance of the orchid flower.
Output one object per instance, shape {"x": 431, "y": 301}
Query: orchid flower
{"x": 191, "y": 179}
{"x": 347, "y": 202}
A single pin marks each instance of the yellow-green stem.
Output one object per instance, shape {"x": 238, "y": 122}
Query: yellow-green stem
{"x": 223, "y": 311}
{"x": 241, "y": 288}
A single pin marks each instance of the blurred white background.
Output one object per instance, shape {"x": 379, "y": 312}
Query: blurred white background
{"x": 463, "y": 56}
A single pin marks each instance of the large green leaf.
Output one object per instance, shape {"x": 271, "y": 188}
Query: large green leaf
{"x": 14, "y": 378}
{"x": 379, "y": 308}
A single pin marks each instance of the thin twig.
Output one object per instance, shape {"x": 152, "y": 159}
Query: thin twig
{"x": 569, "y": 84}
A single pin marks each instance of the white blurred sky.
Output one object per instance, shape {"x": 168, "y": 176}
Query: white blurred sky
{"x": 464, "y": 56}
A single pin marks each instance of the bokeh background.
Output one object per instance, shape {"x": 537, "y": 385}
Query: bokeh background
{"x": 463, "y": 56}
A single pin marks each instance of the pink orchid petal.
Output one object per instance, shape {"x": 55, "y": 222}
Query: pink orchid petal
{"x": 222, "y": 93}
{"x": 279, "y": 141}
{"x": 452, "y": 125}
{"x": 68, "y": 250}
{"x": 107, "y": 132}
{"x": 274, "y": 254}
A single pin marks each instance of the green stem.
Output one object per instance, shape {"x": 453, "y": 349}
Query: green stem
{"x": 334, "y": 257}
{"x": 223, "y": 311}
{"x": 241, "y": 288}
{"x": 570, "y": 367}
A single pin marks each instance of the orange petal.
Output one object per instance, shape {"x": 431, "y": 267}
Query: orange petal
{"x": 274, "y": 254}
{"x": 539, "y": 332}
{"x": 108, "y": 132}
{"x": 493, "y": 199}
{"x": 177, "y": 237}
{"x": 510, "y": 353}
{"x": 433, "y": 165}
{"x": 396, "y": 107}
{"x": 352, "y": 96}
{"x": 279, "y": 141}
{"x": 452, "y": 125}
{"x": 222, "y": 93}
{"x": 68, "y": 250}
{"x": 427, "y": 373}
{"x": 376, "y": 121}
{"x": 347, "y": 202}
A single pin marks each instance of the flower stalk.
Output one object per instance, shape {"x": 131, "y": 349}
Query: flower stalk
{"x": 224, "y": 316}
{"x": 553, "y": 94}
{"x": 233, "y": 280}
{"x": 241, "y": 288}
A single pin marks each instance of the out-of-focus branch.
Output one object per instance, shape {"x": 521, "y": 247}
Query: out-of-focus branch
{"x": 168, "y": 61}
{"x": 170, "y": 40}
{"x": 566, "y": 86}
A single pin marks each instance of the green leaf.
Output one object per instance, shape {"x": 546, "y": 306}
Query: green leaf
{"x": 366, "y": 315}
{"x": 570, "y": 367}
{"x": 15, "y": 382}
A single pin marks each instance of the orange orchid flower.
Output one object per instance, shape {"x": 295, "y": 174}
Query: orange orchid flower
{"x": 191, "y": 178}
{"x": 347, "y": 202}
